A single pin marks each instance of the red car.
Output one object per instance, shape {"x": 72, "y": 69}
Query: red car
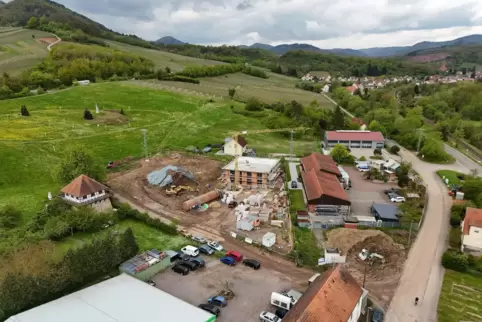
{"x": 234, "y": 254}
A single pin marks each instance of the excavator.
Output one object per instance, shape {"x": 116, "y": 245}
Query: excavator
{"x": 175, "y": 190}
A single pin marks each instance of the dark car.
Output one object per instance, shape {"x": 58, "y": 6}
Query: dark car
{"x": 210, "y": 308}
{"x": 218, "y": 301}
{"x": 200, "y": 262}
{"x": 151, "y": 282}
{"x": 205, "y": 249}
{"x": 377, "y": 316}
{"x": 253, "y": 263}
{"x": 294, "y": 184}
{"x": 189, "y": 264}
{"x": 184, "y": 257}
{"x": 183, "y": 270}
{"x": 281, "y": 312}
{"x": 228, "y": 260}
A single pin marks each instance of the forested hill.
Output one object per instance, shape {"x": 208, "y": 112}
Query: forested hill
{"x": 53, "y": 17}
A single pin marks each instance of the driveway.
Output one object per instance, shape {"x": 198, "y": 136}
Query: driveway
{"x": 423, "y": 274}
{"x": 294, "y": 176}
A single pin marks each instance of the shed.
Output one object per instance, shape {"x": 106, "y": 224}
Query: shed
{"x": 385, "y": 212}
{"x": 269, "y": 239}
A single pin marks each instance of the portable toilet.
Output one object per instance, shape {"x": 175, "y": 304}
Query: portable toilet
{"x": 269, "y": 239}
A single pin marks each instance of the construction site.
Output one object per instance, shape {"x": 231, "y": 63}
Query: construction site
{"x": 373, "y": 258}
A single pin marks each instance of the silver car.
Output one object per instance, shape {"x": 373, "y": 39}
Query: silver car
{"x": 268, "y": 317}
{"x": 199, "y": 239}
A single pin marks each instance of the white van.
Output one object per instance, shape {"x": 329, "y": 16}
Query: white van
{"x": 190, "y": 250}
{"x": 287, "y": 300}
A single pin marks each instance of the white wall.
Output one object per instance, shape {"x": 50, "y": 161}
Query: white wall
{"x": 355, "y": 315}
{"x": 473, "y": 239}
{"x": 233, "y": 148}
{"x": 85, "y": 199}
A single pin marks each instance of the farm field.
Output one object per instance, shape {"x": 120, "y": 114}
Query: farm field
{"x": 30, "y": 146}
{"x": 274, "y": 89}
{"x": 163, "y": 59}
{"x": 460, "y": 298}
{"x": 19, "y": 50}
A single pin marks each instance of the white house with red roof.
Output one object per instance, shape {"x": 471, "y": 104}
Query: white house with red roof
{"x": 472, "y": 231}
{"x": 355, "y": 139}
{"x": 85, "y": 191}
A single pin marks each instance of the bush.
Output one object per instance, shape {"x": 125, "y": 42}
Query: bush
{"x": 455, "y": 240}
{"x": 394, "y": 149}
{"x": 9, "y": 217}
{"x": 306, "y": 250}
{"x": 24, "y": 111}
{"x": 253, "y": 104}
{"x": 455, "y": 260}
{"x": 455, "y": 220}
{"x": 362, "y": 158}
{"x": 185, "y": 79}
{"x": 255, "y": 72}
{"x": 88, "y": 115}
{"x": 124, "y": 211}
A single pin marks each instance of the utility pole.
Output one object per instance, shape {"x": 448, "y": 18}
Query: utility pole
{"x": 144, "y": 131}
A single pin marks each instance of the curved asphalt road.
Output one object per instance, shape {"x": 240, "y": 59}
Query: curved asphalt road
{"x": 463, "y": 161}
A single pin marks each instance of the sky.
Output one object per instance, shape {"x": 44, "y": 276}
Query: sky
{"x": 323, "y": 23}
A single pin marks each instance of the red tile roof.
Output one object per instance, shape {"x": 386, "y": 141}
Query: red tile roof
{"x": 473, "y": 218}
{"x": 83, "y": 186}
{"x": 354, "y": 136}
{"x": 318, "y": 183}
{"x": 320, "y": 162}
{"x": 352, "y": 89}
{"x": 330, "y": 298}
{"x": 242, "y": 141}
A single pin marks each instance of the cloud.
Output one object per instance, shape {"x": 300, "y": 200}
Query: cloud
{"x": 349, "y": 23}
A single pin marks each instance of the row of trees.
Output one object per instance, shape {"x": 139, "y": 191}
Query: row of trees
{"x": 210, "y": 71}
{"x": 22, "y": 289}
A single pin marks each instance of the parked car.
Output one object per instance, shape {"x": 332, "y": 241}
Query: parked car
{"x": 363, "y": 169}
{"x": 183, "y": 270}
{"x": 268, "y": 317}
{"x": 205, "y": 249}
{"x": 253, "y": 263}
{"x": 151, "y": 282}
{"x": 218, "y": 301}
{"x": 392, "y": 195}
{"x": 200, "y": 262}
{"x": 190, "y": 250}
{"x": 199, "y": 239}
{"x": 228, "y": 260}
{"x": 189, "y": 264}
{"x": 234, "y": 254}
{"x": 392, "y": 190}
{"x": 398, "y": 199}
{"x": 377, "y": 316}
{"x": 233, "y": 204}
{"x": 216, "y": 246}
{"x": 294, "y": 184}
{"x": 210, "y": 308}
{"x": 281, "y": 313}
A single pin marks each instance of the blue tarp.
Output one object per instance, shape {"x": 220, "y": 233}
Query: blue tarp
{"x": 163, "y": 178}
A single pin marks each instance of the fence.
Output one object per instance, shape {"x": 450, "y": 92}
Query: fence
{"x": 248, "y": 240}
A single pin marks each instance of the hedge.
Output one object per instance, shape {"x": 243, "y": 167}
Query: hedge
{"x": 124, "y": 211}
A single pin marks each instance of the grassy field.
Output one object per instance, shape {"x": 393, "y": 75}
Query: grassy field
{"x": 164, "y": 59}
{"x": 19, "y": 50}
{"x": 461, "y": 298}
{"x": 451, "y": 175}
{"x": 274, "y": 89}
{"x": 29, "y": 146}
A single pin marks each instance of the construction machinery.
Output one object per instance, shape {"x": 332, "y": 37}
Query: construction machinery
{"x": 174, "y": 190}
{"x": 236, "y": 134}
{"x": 365, "y": 255}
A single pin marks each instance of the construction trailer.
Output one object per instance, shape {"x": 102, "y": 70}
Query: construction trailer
{"x": 144, "y": 266}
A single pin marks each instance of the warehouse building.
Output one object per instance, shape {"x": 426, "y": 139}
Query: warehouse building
{"x": 355, "y": 139}
{"x": 119, "y": 299}
{"x": 252, "y": 172}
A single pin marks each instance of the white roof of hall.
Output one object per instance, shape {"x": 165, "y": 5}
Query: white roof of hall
{"x": 251, "y": 164}
{"x": 120, "y": 299}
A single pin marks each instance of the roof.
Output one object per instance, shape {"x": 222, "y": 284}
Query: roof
{"x": 332, "y": 297}
{"x": 242, "y": 141}
{"x": 120, "y": 299}
{"x": 83, "y": 186}
{"x": 252, "y": 164}
{"x": 319, "y": 183}
{"x": 352, "y": 89}
{"x": 473, "y": 218}
{"x": 354, "y": 136}
{"x": 386, "y": 211}
{"x": 320, "y": 162}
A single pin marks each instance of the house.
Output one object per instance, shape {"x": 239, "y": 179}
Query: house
{"x": 320, "y": 162}
{"x": 359, "y": 122}
{"x": 252, "y": 172}
{"x": 333, "y": 297}
{"x": 352, "y": 89}
{"x": 235, "y": 146}
{"x": 326, "y": 88}
{"x": 85, "y": 191}
{"x": 472, "y": 231}
{"x": 387, "y": 213}
{"x": 355, "y": 139}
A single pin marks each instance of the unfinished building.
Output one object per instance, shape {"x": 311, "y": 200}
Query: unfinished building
{"x": 252, "y": 172}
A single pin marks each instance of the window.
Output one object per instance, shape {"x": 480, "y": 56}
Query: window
{"x": 476, "y": 231}
{"x": 249, "y": 174}
{"x": 260, "y": 175}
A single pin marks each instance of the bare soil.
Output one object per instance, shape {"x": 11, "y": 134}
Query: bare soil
{"x": 111, "y": 117}
{"x": 381, "y": 278}
{"x": 47, "y": 40}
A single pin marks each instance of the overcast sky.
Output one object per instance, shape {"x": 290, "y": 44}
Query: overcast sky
{"x": 323, "y": 23}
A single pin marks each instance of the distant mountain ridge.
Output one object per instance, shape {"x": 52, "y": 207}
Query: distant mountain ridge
{"x": 168, "y": 40}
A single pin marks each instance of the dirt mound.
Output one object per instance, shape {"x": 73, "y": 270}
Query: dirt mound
{"x": 344, "y": 238}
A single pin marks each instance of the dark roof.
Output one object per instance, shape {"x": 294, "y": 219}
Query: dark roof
{"x": 330, "y": 298}
{"x": 386, "y": 211}
{"x": 242, "y": 141}
{"x": 83, "y": 186}
{"x": 320, "y": 162}
{"x": 354, "y": 136}
{"x": 319, "y": 183}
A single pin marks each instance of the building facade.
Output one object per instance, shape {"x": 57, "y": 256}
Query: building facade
{"x": 252, "y": 172}
{"x": 235, "y": 146}
{"x": 472, "y": 231}
{"x": 355, "y": 139}
{"x": 85, "y": 191}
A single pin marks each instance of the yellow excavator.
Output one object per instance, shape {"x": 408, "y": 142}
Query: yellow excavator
{"x": 175, "y": 190}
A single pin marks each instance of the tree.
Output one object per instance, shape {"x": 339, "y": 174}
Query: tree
{"x": 416, "y": 89}
{"x": 377, "y": 152}
{"x": 32, "y": 23}
{"x": 88, "y": 115}
{"x": 168, "y": 70}
{"x": 377, "y": 127}
{"x": 55, "y": 228}
{"x": 128, "y": 245}
{"x": 254, "y": 104}
{"x": 472, "y": 188}
{"x": 9, "y": 217}
{"x": 433, "y": 150}
{"x": 338, "y": 119}
{"x": 77, "y": 160}
{"x": 231, "y": 92}
{"x": 340, "y": 153}
{"x": 122, "y": 111}
{"x": 394, "y": 149}
{"x": 24, "y": 111}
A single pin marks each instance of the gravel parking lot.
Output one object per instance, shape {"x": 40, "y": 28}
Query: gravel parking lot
{"x": 252, "y": 288}
{"x": 363, "y": 192}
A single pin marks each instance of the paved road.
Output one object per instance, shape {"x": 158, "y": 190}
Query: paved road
{"x": 463, "y": 161}
{"x": 423, "y": 274}
{"x": 294, "y": 176}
